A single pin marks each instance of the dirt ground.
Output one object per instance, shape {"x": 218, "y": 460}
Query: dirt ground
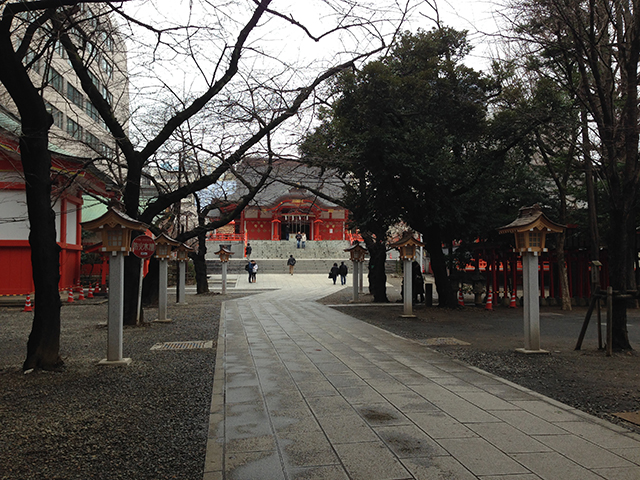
{"x": 586, "y": 379}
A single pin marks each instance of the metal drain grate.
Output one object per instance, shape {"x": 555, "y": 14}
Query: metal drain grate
{"x": 190, "y": 345}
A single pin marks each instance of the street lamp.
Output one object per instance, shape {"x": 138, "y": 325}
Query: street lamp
{"x": 357, "y": 254}
{"x": 225, "y": 255}
{"x": 163, "y": 252}
{"x": 116, "y": 228}
{"x": 531, "y": 229}
{"x": 407, "y": 247}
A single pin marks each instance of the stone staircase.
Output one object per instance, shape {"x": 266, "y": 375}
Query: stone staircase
{"x": 271, "y": 256}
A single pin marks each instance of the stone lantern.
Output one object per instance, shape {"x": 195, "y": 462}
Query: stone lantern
{"x": 182, "y": 255}
{"x": 116, "y": 228}
{"x": 225, "y": 255}
{"x": 163, "y": 252}
{"x": 357, "y": 254}
{"x": 407, "y": 247}
{"x": 531, "y": 229}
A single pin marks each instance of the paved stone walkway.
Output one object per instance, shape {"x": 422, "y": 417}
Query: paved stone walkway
{"x": 304, "y": 392}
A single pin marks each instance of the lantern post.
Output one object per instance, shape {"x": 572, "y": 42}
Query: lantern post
{"x": 182, "y": 255}
{"x": 407, "y": 247}
{"x": 163, "y": 252}
{"x": 357, "y": 254}
{"x": 116, "y": 228}
{"x": 530, "y": 229}
{"x": 224, "y": 254}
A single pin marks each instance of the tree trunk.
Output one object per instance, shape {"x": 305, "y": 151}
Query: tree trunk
{"x": 619, "y": 276}
{"x": 131, "y": 285}
{"x": 200, "y": 265}
{"x": 151, "y": 284}
{"x": 562, "y": 274}
{"x": 377, "y": 275}
{"x": 43, "y": 347}
{"x": 446, "y": 294}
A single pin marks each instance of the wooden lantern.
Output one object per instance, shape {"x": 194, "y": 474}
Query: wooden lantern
{"x": 183, "y": 252}
{"x": 407, "y": 246}
{"x": 116, "y": 228}
{"x": 357, "y": 252}
{"x": 531, "y": 229}
{"x": 163, "y": 246}
{"x": 224, "y": 254}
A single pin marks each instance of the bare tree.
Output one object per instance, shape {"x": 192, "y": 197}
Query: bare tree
{"x": 210, "y": 53}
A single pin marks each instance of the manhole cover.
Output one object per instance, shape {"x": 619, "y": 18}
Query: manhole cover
{"x": 191, "y": 345}
{"x": 443, "y": 341}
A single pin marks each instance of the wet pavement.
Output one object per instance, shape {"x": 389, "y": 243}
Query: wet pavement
{"x": 302, "y": 391}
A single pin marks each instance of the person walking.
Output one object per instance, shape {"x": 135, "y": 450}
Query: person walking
{"x": 254, "y": 270}
{"x": 247, "y": 251}
{"x": 298, "y": 239}
{"x": 343, "y": 270}
{"x": 304, "y": 239}
{"x": 333, "y": 273}
{"x": 291, "y": 262}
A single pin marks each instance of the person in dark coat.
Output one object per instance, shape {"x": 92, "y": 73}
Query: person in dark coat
{"x": 247, "y": 251}
{"x": 249, "y": 268}
{"x": 291, "y": 262}
{"x": 417, "y": 284}
{"x": 343, "y": 270}
{"x": 334, "y": 272}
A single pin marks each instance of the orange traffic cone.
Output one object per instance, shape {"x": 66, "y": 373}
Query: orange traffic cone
{"x": 512, "y": 304}
{"x": 90, "y": 292}
{"x": 489, "y": 305}
{"x": 460, "y": 298}
{"x": 81, "y": 293}
{"x": 70, "y": 296}
{"x": 27, "y": 304}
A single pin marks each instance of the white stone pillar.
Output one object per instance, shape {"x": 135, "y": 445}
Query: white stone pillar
{"x": 116, "y": 311}
{"x": 224, "y": 277}
{"x": 408, "y": 290}
{"x": 531, "y": 303}
{"x": 162, "y": 291}
{"x": 355, "y": 280}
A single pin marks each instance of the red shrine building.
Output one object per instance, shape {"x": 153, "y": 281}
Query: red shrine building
{"x": 70, "y": 178}
{"x": 281, "y": 210}
{"x": 295, "y": 211}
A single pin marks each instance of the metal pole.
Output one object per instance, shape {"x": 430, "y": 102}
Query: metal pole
{"x": 139, "y": 310}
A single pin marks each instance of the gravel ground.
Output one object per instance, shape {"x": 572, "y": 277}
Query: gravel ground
{"x": 147, "y": 420}
{"x": 586, "y": 379}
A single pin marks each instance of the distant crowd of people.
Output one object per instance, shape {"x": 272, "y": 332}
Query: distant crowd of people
{"x": 301, "y": 240}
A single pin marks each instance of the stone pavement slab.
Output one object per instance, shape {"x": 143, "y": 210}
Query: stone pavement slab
{"x": 302, "y": 391}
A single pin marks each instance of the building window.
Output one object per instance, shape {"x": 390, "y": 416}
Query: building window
{"x": 92, "y": 111}
{"x": 93, "y": 141}
{"x": 75, "y": 95}
{"x": 74, "y": 129}
{"x": 58, "y": 116}
{"x": 55, "y": 79}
